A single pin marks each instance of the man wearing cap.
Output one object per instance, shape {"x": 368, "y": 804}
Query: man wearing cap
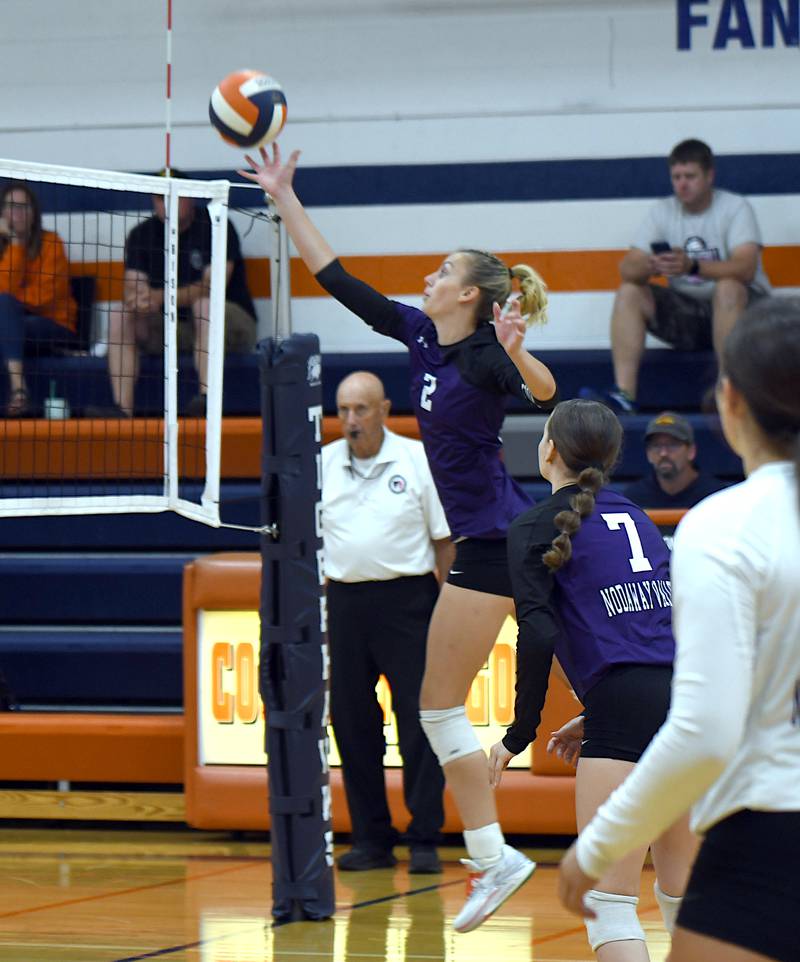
{"x": 384, "y": 534}
{"x": 675, "y": 481}
{"x": 139, "y": 323}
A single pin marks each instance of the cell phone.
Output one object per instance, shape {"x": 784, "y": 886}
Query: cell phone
{"x": 660, "y": 247}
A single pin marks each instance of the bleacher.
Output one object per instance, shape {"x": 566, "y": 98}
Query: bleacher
{"x": 92, "y": 604}
{"x": 669, "y": 379}
{"x": 91, "y": 638}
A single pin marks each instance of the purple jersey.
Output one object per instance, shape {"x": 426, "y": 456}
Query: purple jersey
{"x": 458, "y": 393}
{"x": 610, "y": 604}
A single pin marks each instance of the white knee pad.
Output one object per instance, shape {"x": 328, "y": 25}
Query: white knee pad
{"x": 616, "y": 920}
{"x": 669, "y": 905}
{"x": 450, "y": 734}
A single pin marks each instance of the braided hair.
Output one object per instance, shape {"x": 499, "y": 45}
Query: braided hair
{"x": 588, "y": 438}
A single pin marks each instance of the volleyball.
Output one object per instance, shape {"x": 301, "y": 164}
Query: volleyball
{"x": 248, "y": 108}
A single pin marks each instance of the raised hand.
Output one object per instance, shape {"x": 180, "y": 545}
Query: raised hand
{"x": 273, "y": 176}
{"x": 509, "y": 326}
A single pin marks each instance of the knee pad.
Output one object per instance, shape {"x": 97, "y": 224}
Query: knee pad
{"x": 616, "y": 920}
{"x": 669, "y": 905}
{"x": 450, "y": 734}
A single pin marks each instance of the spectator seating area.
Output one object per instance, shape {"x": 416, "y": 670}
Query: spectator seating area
{"x": 92, "y": 605}
{"x": 669, "y": 379}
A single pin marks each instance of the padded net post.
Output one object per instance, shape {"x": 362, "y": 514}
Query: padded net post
{"x": 294, "y": 652}
{"x": 72, "y": 463}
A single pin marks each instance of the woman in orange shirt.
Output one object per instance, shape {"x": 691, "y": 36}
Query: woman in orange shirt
{"x": 35, "y": 300}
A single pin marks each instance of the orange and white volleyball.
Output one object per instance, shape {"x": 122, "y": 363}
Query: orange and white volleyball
{"x": 248, "y": 108}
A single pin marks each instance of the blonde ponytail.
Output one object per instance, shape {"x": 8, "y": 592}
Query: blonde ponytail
{"x": 533, "y": 303}
{"x": 494, "y": 281}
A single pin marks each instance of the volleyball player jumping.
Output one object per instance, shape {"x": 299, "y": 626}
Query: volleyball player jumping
{"x": 731, "y": 743}
{"x": 597, "y": 595}
{"x": 466, "y": 356}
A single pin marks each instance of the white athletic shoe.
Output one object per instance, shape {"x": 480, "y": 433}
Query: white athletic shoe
{"x": 486, "y": 891}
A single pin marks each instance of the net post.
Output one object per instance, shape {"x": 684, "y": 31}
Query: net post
{"x": 294, "y": 652}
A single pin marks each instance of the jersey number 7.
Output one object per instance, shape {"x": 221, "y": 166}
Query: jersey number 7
{"x": 637, "y": 560}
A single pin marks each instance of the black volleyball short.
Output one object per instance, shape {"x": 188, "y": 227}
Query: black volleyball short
{"x": 624, "y": 710}
{"x": 743, "y": 887}
{"x": 481, "y": 564}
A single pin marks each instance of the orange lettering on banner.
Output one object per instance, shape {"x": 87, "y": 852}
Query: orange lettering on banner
{"x": 384, "y": 696}
{"x": 247, "y": 698}
{"x": 221, "y": 701}
{"x": 477, "y": 703}
{"x": 502, "y": 675}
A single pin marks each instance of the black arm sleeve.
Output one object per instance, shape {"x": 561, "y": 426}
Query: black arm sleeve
{"x": 364, "y": 301}
{"x": 497, "y": 370}
{"x": 538, "y": 629}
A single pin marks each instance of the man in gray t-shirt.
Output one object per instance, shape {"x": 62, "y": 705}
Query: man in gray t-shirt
{"x": 707, "y": 245}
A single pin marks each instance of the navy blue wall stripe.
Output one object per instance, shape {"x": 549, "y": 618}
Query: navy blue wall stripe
{"x": 535, "y": 180}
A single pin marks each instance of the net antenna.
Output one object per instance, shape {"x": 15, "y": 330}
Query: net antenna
{"x": 279, "y": 275}
{"x": 90, "y": 466}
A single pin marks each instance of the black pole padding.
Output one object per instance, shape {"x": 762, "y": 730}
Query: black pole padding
{"x": 294, "y": 651}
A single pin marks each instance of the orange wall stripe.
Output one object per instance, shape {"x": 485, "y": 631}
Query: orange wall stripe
{"x": 402, "y": 274}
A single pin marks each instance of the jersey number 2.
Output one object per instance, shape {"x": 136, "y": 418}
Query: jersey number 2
{"x": 637, "y": 560}
{"x": 428, "y": 387}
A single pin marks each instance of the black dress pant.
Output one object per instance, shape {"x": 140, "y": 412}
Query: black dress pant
{"x": 374, "y": 628}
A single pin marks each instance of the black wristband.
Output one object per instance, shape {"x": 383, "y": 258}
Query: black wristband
{"x": 694, "y": 268}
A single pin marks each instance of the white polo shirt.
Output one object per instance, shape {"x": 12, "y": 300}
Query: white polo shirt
{"x": 381, "y": 526}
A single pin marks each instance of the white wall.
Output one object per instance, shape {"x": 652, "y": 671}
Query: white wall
{"x": 390, "y": 82}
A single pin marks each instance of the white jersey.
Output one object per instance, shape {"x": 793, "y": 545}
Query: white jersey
{"x": 713, "y": 235}
{"x": 732, "y": 737}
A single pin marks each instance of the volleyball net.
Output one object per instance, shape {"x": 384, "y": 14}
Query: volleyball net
{"x": 77, "y": 335}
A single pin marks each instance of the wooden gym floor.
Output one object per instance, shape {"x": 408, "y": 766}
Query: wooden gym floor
{"x": 77, "y": 895}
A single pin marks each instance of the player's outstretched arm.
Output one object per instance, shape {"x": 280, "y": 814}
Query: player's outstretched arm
{"x": 276, "y": 179}
{"x": 510, "y": 328}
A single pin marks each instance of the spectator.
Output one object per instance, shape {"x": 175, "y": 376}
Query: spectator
{"x": 139, "y": 324}
{"x": 707, "y": 244}
{"x": 383, "y": 531}
{"x": 675, "y": 481}
{"x": 36, "y": 306}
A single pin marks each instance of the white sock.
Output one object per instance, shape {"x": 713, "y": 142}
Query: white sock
{"x": 485, "y": 844}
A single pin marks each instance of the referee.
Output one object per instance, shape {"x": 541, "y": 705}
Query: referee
{"x": 384, "y": 533}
